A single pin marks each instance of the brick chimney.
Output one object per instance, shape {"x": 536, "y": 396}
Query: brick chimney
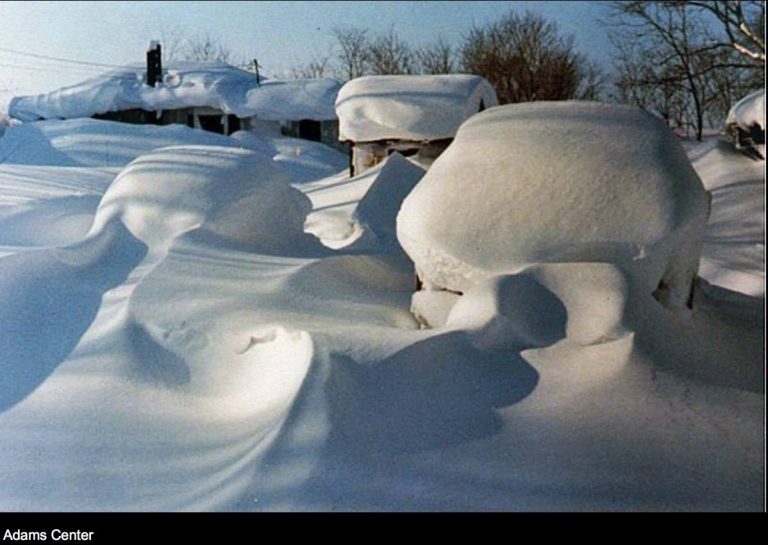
{"x": 154, "y": 64}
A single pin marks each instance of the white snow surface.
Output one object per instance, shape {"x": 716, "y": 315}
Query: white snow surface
{"x": 427, "y": 107}
{"x": 184, "y": 84}
{"x": 90, "y": 142}
{"x": 749, "y": 111}
{"x": 733, "y": 250}
{"x": 557, "y": 182}
{"x": 170, "y": 340}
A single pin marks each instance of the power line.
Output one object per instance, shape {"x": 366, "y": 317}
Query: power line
{"x": 59, "y": 59}
{"x": 42, "y": 68}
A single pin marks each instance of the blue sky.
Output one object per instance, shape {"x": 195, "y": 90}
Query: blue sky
{"x": 281, "y": 34}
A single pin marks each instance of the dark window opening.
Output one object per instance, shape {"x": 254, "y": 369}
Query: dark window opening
{"x": 211, "y": 123}
{"x": 190, "y": 120}
{"x": 135, "y": 116}
{"x": 482, "y": 105}
{"x": 310, "y": 130}
{"x": 234, "y": 123}
{"x": 757, "y": 134}
{"x": 404, "y": 152}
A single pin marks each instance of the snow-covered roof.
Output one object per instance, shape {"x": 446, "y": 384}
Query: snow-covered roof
{"x": 553, "y": 182}
{"x": 185, "y": 84}
{"x": 749, "y": 111}
{"x": 410, "y": 107}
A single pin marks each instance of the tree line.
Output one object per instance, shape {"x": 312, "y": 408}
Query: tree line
{"x": 685, "y": 61}
{"x": 524, "y": 56}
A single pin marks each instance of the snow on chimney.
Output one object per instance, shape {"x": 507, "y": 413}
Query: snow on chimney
{"x": 154, "y": 63}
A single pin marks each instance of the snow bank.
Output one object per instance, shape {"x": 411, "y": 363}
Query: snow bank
{"x": 215, "y": 377}
{"x": 409, "y": 107}
{"x": 37, "y": 286}
{"x": 584, "y": 301}
{"x": 232, "y": 196}
{"x": 91, "y": 142}
{"x": 733, "y": 250}
{"x": 362, "y": 210}
{"x": 749, "y": 111}
{"x": 377, "y": 212}
{"x": 303, "y": 160}
{"x": 184, "y": 84}
{"x": 558, "y": 182}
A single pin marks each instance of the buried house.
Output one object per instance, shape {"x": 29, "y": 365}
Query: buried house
{"x": 207, "y": 95}
{"x": 416, "y": 116}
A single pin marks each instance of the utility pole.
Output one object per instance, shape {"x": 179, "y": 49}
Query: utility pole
{"x": 256, "y": 70}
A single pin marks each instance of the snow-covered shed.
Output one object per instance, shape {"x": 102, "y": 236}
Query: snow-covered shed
{"x": 745, "y": 124}
{"x": 208, "y": 95}
{"x": 414, "y": 115}
{"x": 557, "y": 182}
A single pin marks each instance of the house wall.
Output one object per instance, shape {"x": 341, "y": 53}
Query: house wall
{"x": 329, "y": 133}
{"x": 209, "y": 119}
{"x": 365, "y": 155}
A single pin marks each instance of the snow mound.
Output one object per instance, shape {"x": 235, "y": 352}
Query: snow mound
{"x": 303, "y": 160}
{"x": 361, "y": 210}
{"x": 749, "y": 111}
{"x": 184, "y": 84}
{"x": 733, "y": 251}
{"x": 233, "y": 196}
{"x": 558, "y": 182}
{"x": 91, "y": 142}
{"x": 410, "y": 107}
{"x": 583, "y": 301}
{"x": 37, "y": 286}
{"x": 377, "y": 212}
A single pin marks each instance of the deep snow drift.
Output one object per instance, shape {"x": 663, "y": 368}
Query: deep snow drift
{"x": 190, "y": 347}
{"x": 733, "y": 251}
{"x": 619, "y": 189}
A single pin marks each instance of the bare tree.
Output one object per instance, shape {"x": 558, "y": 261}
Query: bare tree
{"x": 319, "y": 67}
{"x": 438, "y": 58}
{"x": 388, "y": 54}
{"x": 353, "y": 53}
{"x": 592, "y": 81}
{"x": 672, "y": 63}
{"x": 172, "y": 41}
{"x": 204, "y": 47}
{"x": 526, "y": 59}
{"x": 743, "y": 23}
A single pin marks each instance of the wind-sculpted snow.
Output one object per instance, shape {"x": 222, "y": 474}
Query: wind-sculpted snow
{"x": 73, "y": 330}
{"x": 90, "y": 142}
{"x": 195, "y": 349}
{"x": 558, "y": 182}
{"x": 232, "y": 196}
{"x": 733, "y": 250}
